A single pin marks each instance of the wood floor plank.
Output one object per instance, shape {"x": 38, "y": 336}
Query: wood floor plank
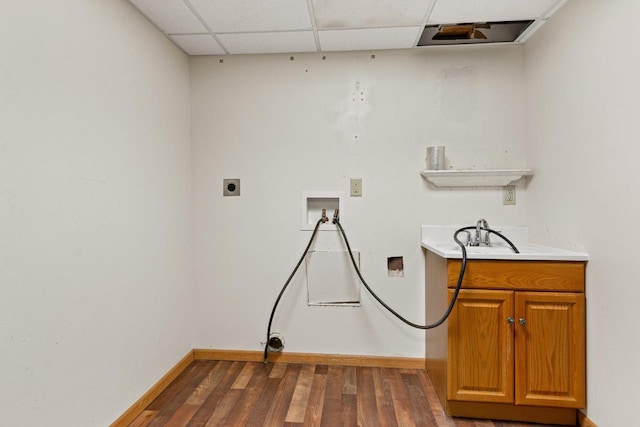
{"x": 462, "y": 422}
{"x": 282, "y": 399}
{"x": 180, "y": 393}
{"x": 243, "y": 407}
{"x": 223, "y": 383}
{"x": 183, "y": 415}
{"x": 264, "y": 402}
{"x": 188, "y": 376}
{"x": 349, "y": 410}
{"x": 366, "y": 398}
{"x": 434, "y": 403}
{"x": 202, "y": 391}
{"x": 300, "y": 398}
{"x": 278, "y": 370}
{"x": 224, "y": 408}
{"x": 509, "y": 424}
{"x": 420, "y": 409}
{"x": 245, "y": 376}
{"x": 315, "y": 406}
{"x": 144, "y": 419}
{"x": 384, "y": 399}
{"x": 332, "y": 397}
{"x": 400, "y": 398}
{"x": 349, "y": 381}
{"x": 322, "y": 369}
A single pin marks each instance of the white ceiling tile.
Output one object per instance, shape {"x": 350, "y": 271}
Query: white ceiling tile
{"x": 198, "y": 44}
{"x": 172, "y": 16}
{"x": 293, "y": 41}
{"x": 456, "y": 11}
{"x": 253, "y": 15}
{"x": 367, "y": 13}
{"x": 276, "y": 26}
{"x": 369, "y": 39}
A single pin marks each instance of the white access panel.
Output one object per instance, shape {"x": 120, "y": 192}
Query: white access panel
{"x": 331, "y": 278}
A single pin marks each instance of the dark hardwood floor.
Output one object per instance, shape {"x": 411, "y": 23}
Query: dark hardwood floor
{"x": 222, "y": 393}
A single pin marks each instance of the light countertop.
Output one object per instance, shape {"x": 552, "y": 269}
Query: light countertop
{"x": 439, "y": 240}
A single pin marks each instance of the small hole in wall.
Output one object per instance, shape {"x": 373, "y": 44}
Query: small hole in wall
{"x": 395, "y": 266}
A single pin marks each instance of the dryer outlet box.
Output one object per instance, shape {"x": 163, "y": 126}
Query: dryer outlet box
{"x": 231, "y": 187}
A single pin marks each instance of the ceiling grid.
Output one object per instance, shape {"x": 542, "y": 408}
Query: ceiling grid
{"x": 220, "y": 27}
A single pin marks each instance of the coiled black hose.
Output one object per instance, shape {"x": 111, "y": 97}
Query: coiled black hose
{"x": 336, "y": 220}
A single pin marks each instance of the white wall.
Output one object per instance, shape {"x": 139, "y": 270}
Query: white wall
{"x": 285, "y": 126}
{"x": 95, "y": 192}
{"x": 583, "y": 101}
{"x": 95, "y": 251}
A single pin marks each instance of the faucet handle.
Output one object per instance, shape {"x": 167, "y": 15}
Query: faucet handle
{"x": 468, "y": 242}
{"x": 487, "y": 240}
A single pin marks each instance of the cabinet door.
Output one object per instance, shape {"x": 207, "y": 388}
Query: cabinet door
{"x": 480, "y": 347}
{"x": 550, "y": 349}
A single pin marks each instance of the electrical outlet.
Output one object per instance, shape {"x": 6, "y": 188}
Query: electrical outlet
{"x": 509, "y": 195}
{"x": 356, "y": 187}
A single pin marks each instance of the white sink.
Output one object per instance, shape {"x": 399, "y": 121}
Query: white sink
{"x": 439, "y": 240}
{"x": 494, "y": 249}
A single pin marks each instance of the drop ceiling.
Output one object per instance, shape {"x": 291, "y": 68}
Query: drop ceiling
{"x": 221, "y": 27}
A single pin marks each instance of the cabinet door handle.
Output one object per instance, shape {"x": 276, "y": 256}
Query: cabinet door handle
{"x": 522, "y": 321}
{"x": 511, "y": 320}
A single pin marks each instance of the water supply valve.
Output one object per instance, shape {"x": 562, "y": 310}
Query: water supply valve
{"x": 324, "y": 218}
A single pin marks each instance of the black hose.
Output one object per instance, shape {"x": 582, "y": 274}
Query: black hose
{"x": 458, "y": 284}
{"x": 336, "y": 221}
{"x": 273, "y": 311}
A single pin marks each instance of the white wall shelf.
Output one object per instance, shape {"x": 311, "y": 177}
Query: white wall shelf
{"x": 474, "y": 177}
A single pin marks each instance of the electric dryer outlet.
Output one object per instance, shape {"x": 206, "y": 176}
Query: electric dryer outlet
{"x": 231, "y": 187}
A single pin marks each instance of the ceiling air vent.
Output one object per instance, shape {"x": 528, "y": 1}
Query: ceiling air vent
{"x": 473, "y": 33}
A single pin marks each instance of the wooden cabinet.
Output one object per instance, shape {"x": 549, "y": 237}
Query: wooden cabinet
{"x": 521, "y": 347}
{"x": 550, "y": 349}
{"x": 514, "y": 345}
{"x": 481, "y": 356}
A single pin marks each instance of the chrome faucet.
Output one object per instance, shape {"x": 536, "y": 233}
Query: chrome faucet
{"x": 478, "y": 240}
